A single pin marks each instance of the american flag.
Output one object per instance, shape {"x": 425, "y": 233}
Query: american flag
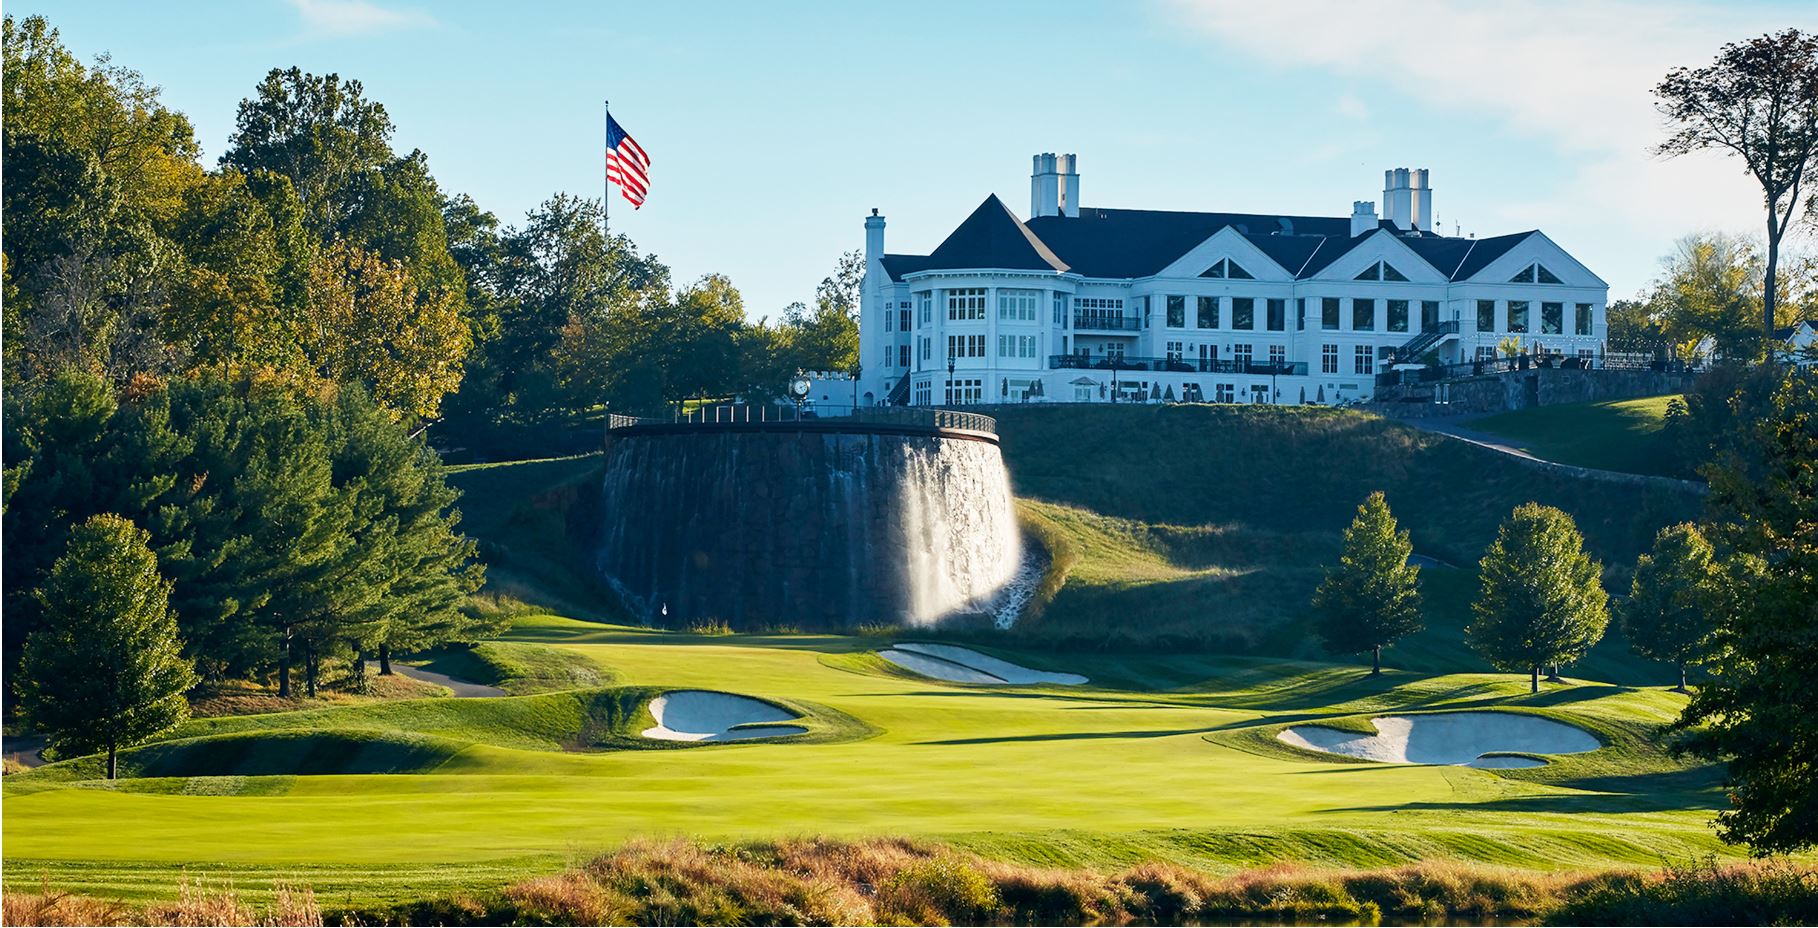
{"x": 626, "y": 163}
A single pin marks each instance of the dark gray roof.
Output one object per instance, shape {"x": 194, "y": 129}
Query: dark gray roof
{"x": 1483, "y": 251}
{"x": 1129, "y": 243}
{"x": 992, "y": 237}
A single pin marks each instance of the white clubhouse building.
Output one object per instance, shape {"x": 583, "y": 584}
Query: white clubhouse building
{"x": 1082, "y": 304}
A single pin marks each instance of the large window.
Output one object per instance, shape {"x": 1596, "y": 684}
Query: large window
{"x": 1278, "y": 355}
{"x": 1177, "y": 312}
{"x": 1328, "y": 314}
{"x": 1363, "y": 361}
{"x": 965, "y": 390}
{"x": 927, "y": 307}
{"x": 927, "y": 348}
{"x": 1328, "y": 359}
{"x": 1175, "y": 349}
{"x": 1227, "y": 269}
{"x": 1016, "y": 346}
{"x": 1240, "y": 354}
{"x": 905, "y": 313}
{"x": 1398, "y": 315}
{"x": 1552, "y": 318}
{"x": 1278, "y": 315}
{"x": 1518, "y": 315}
{"x": 1581, "y": 322}
{"x": 1363, "y": 315}
{"x": 1208, "y": 312}
{"x": 1486, "y": 315}
{"x": 966, "y": 305}
{"x": 1097, "y": 312}
{"x": 1300, "y": 314}
{"x": 965, "y": 346}
{"x": 1429, "y": 315}
{"x": 1224, "y": 393}
{"x": 924, "y": 394}
{"x": 1017, "y": 305}
{"x": 1060, "y": 310}
{"x": 902, "y": 356}
{"x": 1243, "y": 313}
{"x": 889, "y": 320}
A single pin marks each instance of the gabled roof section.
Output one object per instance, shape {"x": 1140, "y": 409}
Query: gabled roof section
{"x": 1125, "y": 243}
{"x": 1484, "y": 251}
{"x": 1292, "y": 252}
{"x": 992, "y": 237}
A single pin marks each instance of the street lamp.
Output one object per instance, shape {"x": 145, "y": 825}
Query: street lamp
{"x": 855, "y": 384}
{"x": 1114, "y": 359}
{"x": 950, "y": 401}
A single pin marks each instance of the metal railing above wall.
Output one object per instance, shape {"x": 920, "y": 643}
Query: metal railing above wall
{"x": 1175, "y": 365}
{"x": 760, "y": 414}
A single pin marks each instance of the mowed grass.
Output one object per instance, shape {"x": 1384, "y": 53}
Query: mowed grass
{"x": 1620, "y": 435}
{"x": 1176, "y": 520}
{"x": 1148, "y": 762}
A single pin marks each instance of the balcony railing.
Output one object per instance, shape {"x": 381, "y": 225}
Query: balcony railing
{"x": 1106, "y": 322}
{"x": 1182, "y": 365}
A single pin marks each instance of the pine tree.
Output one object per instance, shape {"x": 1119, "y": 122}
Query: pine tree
{"x": 1372, "y": 598}
{"x": 106, "y": 670}
{"x": 1674, "y": 600}
{"x": 1542, "y": 602}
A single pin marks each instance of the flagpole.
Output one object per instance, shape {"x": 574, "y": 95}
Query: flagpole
{"x": 606, "y": 181}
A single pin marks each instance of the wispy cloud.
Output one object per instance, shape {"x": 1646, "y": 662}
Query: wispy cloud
{"x": 356, "y": 17}
{"x": 1575, "y": 74}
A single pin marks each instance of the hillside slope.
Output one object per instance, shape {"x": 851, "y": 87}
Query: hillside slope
{"x": 1209, "y": 526}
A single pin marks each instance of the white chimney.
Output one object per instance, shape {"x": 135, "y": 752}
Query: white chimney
{"x": 1422, "y": 197}
{"x": 1068, "y": 166}
{"x": 874, "y": 237}
{"x": 1363, "y": 217}
{"x": 1044, "y": 187}
{"x": 1397, "y": 199}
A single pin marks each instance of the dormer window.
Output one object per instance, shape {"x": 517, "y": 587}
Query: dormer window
{"x": 1228, "y": 269}
{"x": 1536, "y": 274}
{"x": 1381, "y": 270}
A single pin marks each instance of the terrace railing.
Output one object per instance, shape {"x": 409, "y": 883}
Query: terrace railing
{"x": 1180, "y": 365}
{"x": 760, "y": 414}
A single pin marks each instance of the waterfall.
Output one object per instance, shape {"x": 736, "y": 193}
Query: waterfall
{"x": 813, "y": 529}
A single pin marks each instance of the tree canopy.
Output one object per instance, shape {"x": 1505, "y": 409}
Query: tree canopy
{"x": 1372, "y": 598}
{"x": 1541, "y": 602}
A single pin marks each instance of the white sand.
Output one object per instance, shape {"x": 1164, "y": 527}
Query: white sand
{"x": 1458, "y": 738}
{"x": 964, "y": 665}
{"x": 699, "y": 715}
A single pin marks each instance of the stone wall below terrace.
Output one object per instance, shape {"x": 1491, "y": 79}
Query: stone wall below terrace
{"x": 1503, "y": 392}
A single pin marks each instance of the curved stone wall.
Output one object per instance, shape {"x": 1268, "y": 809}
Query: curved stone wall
{"x": 810, "y": 526}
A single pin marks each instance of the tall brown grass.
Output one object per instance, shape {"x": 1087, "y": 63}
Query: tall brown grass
{"x": 894, "y": 881}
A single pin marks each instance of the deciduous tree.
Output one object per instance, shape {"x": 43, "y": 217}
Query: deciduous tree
{"x": 1758, "y": 709}
{"x": 1758, "y": 101}
{"x": 1674, "y": 601}
{"x": 1372, "y": 598}
{"x": 1542, "y": 602}
{"x": 106, "y": 670}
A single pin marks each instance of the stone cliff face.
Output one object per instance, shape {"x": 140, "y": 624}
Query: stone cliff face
{"x": 815, "y": 529}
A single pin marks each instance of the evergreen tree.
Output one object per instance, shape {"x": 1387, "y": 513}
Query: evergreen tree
{"x": 1674, "y": 600}
{"x": 1372, "y": 598}
{"x": 1758, "y": 709}
{"x": 106, "y": 671}
{"x": 1542, "y": 602}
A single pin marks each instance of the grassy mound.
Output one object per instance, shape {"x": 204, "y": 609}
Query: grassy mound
{"x": 1209, "y": 526}
{"x": 1621, "y": 435}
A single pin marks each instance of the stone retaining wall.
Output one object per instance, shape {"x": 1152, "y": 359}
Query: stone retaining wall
{"x": 1503, "y": 392}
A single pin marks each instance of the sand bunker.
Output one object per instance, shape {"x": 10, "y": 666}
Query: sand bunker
{"x": 699, "y": 715}
{"x": 1471, "y": 739}
{"x": 964, "y": 665}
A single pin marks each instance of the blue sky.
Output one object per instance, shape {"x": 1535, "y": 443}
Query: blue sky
{"x": 774, "y": 127}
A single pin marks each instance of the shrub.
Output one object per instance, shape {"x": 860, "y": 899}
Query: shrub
{"x": 942, "y": 891}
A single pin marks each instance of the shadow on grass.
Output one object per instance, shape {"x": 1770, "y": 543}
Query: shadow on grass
{"x": 1074, "y": 736}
